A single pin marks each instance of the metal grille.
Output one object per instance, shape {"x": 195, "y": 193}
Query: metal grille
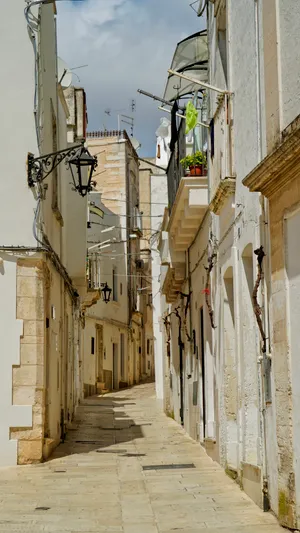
{"x": 169, "y": 467}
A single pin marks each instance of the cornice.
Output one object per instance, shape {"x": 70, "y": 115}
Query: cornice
{"x": 225, "y": 188}
{"x": 279, "y": 167}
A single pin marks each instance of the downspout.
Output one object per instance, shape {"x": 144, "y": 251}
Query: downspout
{"x": 264, "y": 237}
{"x": 181, "y": 346}
{"x": 191, "y": 302}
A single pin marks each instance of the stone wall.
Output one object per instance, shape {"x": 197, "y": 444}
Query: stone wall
{"x": 28, "y": 377}
{"x": 282, "y": 364}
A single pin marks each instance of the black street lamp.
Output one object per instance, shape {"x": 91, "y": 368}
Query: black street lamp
{"x": 106, "y": 292}
{"x": 82, "y": 165}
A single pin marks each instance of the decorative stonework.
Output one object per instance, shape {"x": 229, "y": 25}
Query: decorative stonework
{"x": 280, "y": 166}
{"x": 173, "y": 282}
{"x": 92, "y": 297}
{"x": 188, "y": 211}
{"x": 225, "y": 188}
{"x": 28, "y": 375}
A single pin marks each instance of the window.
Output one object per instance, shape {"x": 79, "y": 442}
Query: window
{"x": 115, "y": 285}
{"x": 137, "y": 221}
{"x": 148, "y": 346}
{"x": 92, "y": 345}
{"x": 121, "y": 289}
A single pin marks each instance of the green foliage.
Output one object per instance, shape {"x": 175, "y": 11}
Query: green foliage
{"x": 196, "y": 159}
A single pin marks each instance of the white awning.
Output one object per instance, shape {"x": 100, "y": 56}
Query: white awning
{"x": 191, "y": 58}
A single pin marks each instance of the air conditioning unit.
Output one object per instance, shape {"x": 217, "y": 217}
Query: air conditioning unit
{"x": 140, "y": 264}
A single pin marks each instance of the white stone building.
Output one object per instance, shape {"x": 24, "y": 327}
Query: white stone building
{"x": 253, "y": 405}
{"x": 117, "y": 179}
{"x": 106, "y": 331}
{"x": 42, "y": 279}
{"x": 233, "y": 370}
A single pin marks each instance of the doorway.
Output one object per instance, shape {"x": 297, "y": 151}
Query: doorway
{"x": 115, "y": 367}
{"x": 292, "y": 263}
{"x": 203, "y": 372}
{"x": 99, "y": 348}
{"x": 134, "y": 363}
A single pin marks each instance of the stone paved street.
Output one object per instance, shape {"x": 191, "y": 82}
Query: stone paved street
{"x": 95, "y": 481}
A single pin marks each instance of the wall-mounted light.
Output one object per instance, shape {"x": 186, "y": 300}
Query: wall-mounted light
{"x": 81, "y": 163}
{"x": 106, "y": 292}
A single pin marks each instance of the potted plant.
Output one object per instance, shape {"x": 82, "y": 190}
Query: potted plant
{"x": 196, "y": 163}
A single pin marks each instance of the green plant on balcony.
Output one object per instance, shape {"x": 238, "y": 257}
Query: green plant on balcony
{"x": 196, "y": 163}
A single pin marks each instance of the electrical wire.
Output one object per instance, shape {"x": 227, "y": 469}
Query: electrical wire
{"x": 125, "y": 201}
{"x": 108, "y": 254}
{"x": 121, "y": 227}
{"x": 131, "y": 216}
{"x": 204, "y": 252}
{"x": 130, "y": 276}
{"x": 32, "y": 29}
{"x": 118, "y": 242}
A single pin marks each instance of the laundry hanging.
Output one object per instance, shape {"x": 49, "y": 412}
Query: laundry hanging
{"x": 191, "y": 115}
{"x": 174, "y": 132}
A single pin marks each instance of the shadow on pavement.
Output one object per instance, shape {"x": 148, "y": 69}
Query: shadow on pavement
{"x": 100, "y": 425}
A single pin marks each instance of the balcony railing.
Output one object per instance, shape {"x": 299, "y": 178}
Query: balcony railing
{"x": 137, "y": 222}
{"x": 93, "y": 271}
{"x": 175, "y": 170}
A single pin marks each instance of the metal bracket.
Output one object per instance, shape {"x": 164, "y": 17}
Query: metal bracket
{"x": 39, "y": 168}
{"x": 198, "y": 82}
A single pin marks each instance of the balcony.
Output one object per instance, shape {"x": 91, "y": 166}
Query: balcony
{"x": 187, "y": 213}
{"x": 175, "y": 171}
{"x": 172, "y": 273}
{"x": 172, "y": 280}
{"x": 222, "y": 181}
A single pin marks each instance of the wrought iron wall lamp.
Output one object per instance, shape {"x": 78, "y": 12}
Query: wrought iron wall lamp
{"x": 81, "y": 163}
{"x": 106, "y": 292}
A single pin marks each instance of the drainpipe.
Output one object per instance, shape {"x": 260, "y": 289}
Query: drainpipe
{"x": 177, "y": 313}
{"x": 190, "y": 291}
{"x": 265, "y": 239}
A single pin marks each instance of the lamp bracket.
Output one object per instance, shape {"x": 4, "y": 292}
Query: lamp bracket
{"x": 39, "y": 168}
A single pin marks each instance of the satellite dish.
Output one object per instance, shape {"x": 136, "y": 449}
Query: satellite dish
{"x": 64, "y": 74}
{"x": 135, "y": 143}
{"x": 164, "y": 128}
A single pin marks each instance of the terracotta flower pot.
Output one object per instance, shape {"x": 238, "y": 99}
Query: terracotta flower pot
{"x": 196, "y": 170}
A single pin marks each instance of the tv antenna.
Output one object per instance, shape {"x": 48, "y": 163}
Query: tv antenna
{"x": 64, "y": 74}
{"x": 133, "y": 106}
{"x": 130, "y": 121}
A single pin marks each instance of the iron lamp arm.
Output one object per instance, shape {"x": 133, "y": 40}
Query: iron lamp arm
{"x": 39, "y": 168}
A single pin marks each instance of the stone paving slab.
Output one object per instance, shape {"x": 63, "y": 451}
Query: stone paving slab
{"x": 95, "y": 481}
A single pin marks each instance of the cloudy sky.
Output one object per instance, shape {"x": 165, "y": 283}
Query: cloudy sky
{"x": 128, "y": 45}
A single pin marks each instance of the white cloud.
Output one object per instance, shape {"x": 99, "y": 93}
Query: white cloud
{"x": 128, "y": 44}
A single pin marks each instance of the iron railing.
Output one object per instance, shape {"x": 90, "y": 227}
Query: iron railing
{"x": 175, "y": 170}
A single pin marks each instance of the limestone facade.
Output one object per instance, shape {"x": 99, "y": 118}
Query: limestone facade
{"x": 277, "y": 178}
{"x": 42, "y": 264}
{"x": 234, "y": 333}
{"x": 122, "y": 263}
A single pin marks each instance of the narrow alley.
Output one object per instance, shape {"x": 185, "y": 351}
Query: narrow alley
{"x": 126, "y": 467}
